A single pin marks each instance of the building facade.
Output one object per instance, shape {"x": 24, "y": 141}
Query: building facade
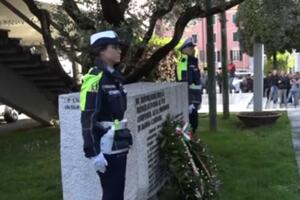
{"x": 241, "y": 60}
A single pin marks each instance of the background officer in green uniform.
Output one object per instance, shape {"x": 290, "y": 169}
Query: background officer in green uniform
{"x": 188, "y": 71}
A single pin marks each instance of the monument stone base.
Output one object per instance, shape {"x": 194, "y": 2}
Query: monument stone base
{"x": 147, "y": 107}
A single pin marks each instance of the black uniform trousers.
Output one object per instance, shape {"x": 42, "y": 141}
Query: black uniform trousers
{"x": 113, "y": 180}
{"x": 193, "y": 118}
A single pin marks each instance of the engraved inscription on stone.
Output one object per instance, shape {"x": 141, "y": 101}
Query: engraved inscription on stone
{"x": 148, "y": 105}
{"x": 151, "y": 110}
{"x": 71, "y": 103}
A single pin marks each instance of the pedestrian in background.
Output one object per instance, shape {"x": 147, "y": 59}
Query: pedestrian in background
{"x": 274, "y": 80}
{"x": 188, "y": 71}
{"x": 283, "y": 83}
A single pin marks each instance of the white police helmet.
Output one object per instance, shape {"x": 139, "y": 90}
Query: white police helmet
{"x": 104, "y": 38}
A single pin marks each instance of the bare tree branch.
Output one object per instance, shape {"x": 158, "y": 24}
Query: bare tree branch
{"x": 155, "y": 16}
{"x": 21, "y": 15}
{"x": 189, "y": 14}
{"x": 79, "y": 18}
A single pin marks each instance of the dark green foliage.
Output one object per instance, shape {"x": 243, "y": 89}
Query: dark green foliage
{"x": 275, "y": 23}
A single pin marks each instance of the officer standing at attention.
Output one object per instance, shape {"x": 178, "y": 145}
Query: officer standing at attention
{"x": 103, "y": 104}
{"x": 187, "y": 71}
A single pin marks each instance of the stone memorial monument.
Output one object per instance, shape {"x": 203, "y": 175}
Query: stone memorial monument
{"x": 147, "y": 107}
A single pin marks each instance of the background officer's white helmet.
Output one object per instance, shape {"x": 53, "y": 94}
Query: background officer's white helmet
{"x": 104, "y": 38}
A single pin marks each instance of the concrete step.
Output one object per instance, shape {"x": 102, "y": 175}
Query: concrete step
{"x": 24, "y": 66}
{"x": 55, "y": 91}
{"x": 50, "y": 84}
{"x": 44, "y": 78}
{"x": 13, "y": 50}
{"x": 30, "y": 72}
{"x": 19, "y": 57}
{"x": 60, "y": 90}
{"x": 14, "y": 54}
{"x": 10, "y": 41}
{"x": 4, "y": 33}
{"x": 9, "y": 48}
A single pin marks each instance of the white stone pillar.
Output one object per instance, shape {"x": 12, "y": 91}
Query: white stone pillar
{"x": 297, "y": 62}
{"x": 258, "y": 77}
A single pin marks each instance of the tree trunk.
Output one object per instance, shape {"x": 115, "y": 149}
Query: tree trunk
{"x": 225, "y": 93}
{"x": 45, "y": 24}
{"x": 76, "y": 73}
{"x": 112, "y": 12}
{"x": 275, "y": 62}
{"x": 211, "y": 71}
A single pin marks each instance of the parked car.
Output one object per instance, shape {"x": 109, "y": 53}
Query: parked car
{"x": 243, "y": 73}
{"x": 236, "y": 84}
{"x": 240, "y": 75}
{"x": 10, "y": 115}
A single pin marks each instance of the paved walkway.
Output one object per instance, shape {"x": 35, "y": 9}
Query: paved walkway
{"x": 240, "y": 102}
{"x": 294, "y": 115}
{"x": 24, "y": 122}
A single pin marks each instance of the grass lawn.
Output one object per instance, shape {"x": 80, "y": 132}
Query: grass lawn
{"x": 254, "y": 164}
{"x": 30, "y": 166}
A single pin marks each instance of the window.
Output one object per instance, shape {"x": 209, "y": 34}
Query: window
{"x": 218, "y": 56}
{"x": 236, "y": 36}
{"x": 214, "y": 19}
{"x": 234, "y": 18}
{"x": 202, "y": 55}
{"x": 195, "y": 38}
{"x": 236, "y": 55}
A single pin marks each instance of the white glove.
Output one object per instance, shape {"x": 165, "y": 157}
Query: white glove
{"x": 99, "y": 163}
{"x": 107, "y": 141}
{"x": 191, "y": 108}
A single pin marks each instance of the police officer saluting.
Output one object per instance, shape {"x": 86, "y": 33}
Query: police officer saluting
{"x": 188, "y": 71}
{"x": 103, "y": 104}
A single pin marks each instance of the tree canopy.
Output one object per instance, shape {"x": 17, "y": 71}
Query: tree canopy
{"x": 275, "y": 23}
{"x": 74, "y": 22}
